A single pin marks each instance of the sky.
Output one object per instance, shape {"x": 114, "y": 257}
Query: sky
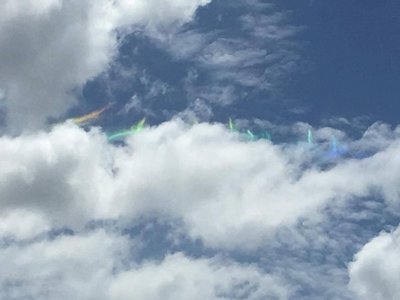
{"x": 199, "y": 149}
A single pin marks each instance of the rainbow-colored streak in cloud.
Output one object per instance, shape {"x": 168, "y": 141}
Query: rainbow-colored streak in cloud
{"x": 85, "y": 119}
{"x": 119, "y": 135}
{"x": 231, "y": 125}
{"x": 309, "y": 137}
{"x": 251, "y": 135}
{"x": 335, "y": 151}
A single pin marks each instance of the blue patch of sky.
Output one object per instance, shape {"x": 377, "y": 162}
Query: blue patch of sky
{"x": 354, "y": 48}
{"x": 251, "y": 84}
{"x": 345, "y": 57}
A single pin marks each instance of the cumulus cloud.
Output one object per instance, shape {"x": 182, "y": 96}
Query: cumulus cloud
{"x": 22, "y": 224}
{"x": 375, "y": 271}
{"x": 49, "y": 48}
{"x": 228, "y": 193}
{"x": 56, "y": 174}
{"x": 78, "y": 267}
{"x": 178, "y": 277}
{"x": 96, "y": 265}
{"x": 197, "y": 174}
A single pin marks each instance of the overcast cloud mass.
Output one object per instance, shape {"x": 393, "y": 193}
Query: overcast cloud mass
{"x": 238, "y": 186}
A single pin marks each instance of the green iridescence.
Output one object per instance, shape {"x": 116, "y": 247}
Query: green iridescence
{"x": 231, "y": 126}
{"x": 335, "y": 150}
{"x": 120, "y": 134}
{"x": 127, "y": 132}
{"x": 251, "y": 135}
{"x": 309, "y": 137}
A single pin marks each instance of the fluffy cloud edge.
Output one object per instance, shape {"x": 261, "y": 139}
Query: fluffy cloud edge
{"x": 99, "y": 265}
{"x": 374, "y": 273}
{"x": 70, "y": 177}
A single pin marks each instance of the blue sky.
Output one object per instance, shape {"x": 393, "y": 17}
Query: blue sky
{"x": 352, "y": 46}
{"x": 344, "y": 63}
{"x": 298, "y": 200}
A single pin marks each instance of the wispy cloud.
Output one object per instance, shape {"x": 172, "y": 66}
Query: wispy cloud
{"x": 250, "y": 45}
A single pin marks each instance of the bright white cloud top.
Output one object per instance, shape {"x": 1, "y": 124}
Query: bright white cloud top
{"x": 374, "y": 273}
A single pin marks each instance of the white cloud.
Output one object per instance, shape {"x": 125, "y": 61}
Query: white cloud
{"x": 178, "y": 277}
{"x": 198, "y": 174}
{"x": 270, "y": 27}
{"x": 97, "y": 265}
{"x": 248, "y": 190}
{"x": 230, "y": 53}
{"x": 375, "y": 271}
{"x": 22, "y": 224}
{"x": 156, "y": 12}
{"x": 230, "y": 193}
{"x": 78, "y": 267}
{"x": 48, "y": 48}
{"x": 62, "y": 175}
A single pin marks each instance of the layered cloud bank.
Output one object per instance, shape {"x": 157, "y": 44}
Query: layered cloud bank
{"x": 229, "y": 193}
{"x": 249, "y": 189}
{"x": 50, "y": 48}
{"x": 96, "y": 266}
